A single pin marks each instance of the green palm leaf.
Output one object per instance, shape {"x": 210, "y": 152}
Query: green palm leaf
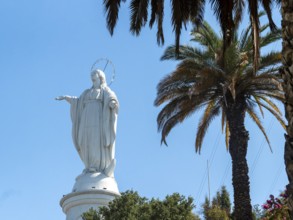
{"x": 212, "y": 110}
{"x": 257, "y": 121}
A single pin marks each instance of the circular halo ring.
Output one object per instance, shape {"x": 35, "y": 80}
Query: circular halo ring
{"x": 107, "y": 61}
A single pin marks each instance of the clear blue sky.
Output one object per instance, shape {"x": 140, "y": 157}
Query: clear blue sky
{"x": 47, "y": 49}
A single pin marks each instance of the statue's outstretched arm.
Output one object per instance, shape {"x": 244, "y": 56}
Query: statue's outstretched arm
{"x": 64, "y": 97}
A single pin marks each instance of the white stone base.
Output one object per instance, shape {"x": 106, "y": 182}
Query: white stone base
{"x": 75, "y": 204}
{"x": 95, "y": 181}
{"x": 91, "y": 190}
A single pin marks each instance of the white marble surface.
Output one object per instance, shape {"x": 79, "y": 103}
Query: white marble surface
{"x": 95, "y": 181}
{"x": 94, "y": 120}
{"x": 75, "y": 204}
{"x": 91, "y": 190}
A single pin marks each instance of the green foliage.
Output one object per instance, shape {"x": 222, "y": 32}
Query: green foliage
{"x": 225, "y": 203}
{"x": 90, "y": 215}
{"x": 219, "y": 208}
{"x": 206, "y": 207}
{"x": 130, "y": 206}
{"x": 216, "y": 213}
{"x": 257, "y": 212}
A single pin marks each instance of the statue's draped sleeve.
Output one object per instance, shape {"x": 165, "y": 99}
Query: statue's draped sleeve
{"x": 75, "y": 111}
{"x": 109, "y": 117}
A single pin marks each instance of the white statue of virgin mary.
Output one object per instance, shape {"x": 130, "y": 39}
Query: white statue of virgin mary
{"x": 94, "y": 120}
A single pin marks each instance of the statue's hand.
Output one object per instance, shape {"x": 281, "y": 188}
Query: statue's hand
{"x": 64, "y": 97}
{"x": 59, "y": 98}
{"x": 113, "y": 104}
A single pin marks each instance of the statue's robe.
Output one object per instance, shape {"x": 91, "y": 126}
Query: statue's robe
{"x": 94, "y": 130}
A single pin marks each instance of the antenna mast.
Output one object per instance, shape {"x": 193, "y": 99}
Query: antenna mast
{"x": 209, "y": 189}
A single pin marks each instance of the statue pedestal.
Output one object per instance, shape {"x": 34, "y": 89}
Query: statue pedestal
{"x": 91, "y": 190}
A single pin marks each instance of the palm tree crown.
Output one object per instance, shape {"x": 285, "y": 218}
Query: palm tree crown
{"x": 204, "y": 79}
{"x": 224, "y": 82}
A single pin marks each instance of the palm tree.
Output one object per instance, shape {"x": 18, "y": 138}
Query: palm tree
{"x": 287, "y": 75}
{"x": 224, "y": 84}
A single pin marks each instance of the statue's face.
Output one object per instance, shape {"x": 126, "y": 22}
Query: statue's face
{"x": 95, "y": 77}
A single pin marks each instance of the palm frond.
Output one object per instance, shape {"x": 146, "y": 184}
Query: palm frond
{"x": 274, "y": 71}
{"x": 244, "y": 38}
{"x": 247, "y": 42}
{"x": 208, "y": 82}
{"x": 211, "y": 111}
{"x": 171, "y": 91}
{"x": 256, "y": 98}
{"x": 266, "y": 80}
{"x": 192, "y": 77}
{"x": 267, "y": 5}
{"x": 139, "y": 15}
{"x": 270, "y": 37}
{"x": 270, "y": 59}
{"x": 112, "y": 9}
{"x": 207, "y": 37}
{"x": 223, "y": 121}
{"x": 256, "y": 119}
{"x": 238, "y": 12}
{"x": 224, "y": 13}
{"x": 160, "y": 14}
{"x": 253, "y": 9}
{"x": 181, "y": 77}
{"x": 269, "y": 64}
{"x": 185, "y": 52}
{"x": 248, "y": 45}
{"x": 178, "y": 19}
{"x": 179, "y": 104}
{"x": 232, "y": 59}
{"x": 154, "y": 9}
{"x": 174, "y": 113}
{"x": 271, "y": 104}
{"x": 196, "y": 11}
{"x": 275, "y": 114}
{"x": 157, "y": 14}
{"x": 269, "y": 93}
{"x": 263, "y": 82}
{"x": 227, "y": 136}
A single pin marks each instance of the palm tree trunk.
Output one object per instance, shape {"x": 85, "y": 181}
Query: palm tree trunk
{"x": 238, "y": 150}
{"x": 287, "y": 75}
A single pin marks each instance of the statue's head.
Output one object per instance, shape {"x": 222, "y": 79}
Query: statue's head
{"x": 99, "y": 75}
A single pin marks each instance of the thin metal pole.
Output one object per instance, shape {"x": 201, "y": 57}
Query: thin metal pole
{"x": 209, "y": 189}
